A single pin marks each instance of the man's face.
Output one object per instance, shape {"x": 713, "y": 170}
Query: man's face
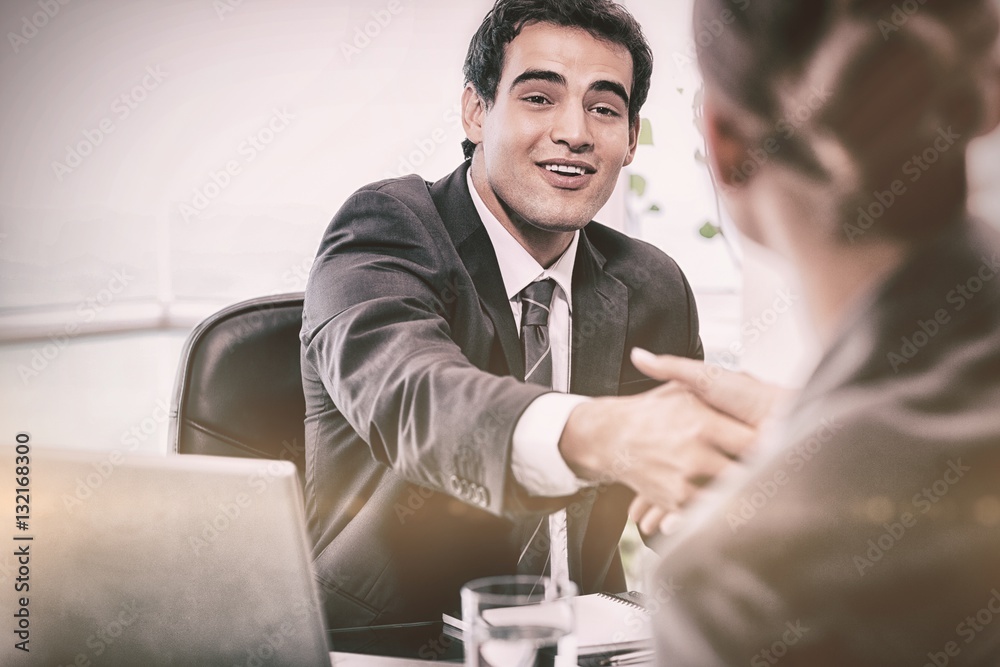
{"x": 557, "y": 134}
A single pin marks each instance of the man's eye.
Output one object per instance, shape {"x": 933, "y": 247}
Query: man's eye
{"x": 536, "y": 99}
{"x": 607, "y": 111}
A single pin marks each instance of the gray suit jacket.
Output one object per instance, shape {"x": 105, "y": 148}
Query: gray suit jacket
{"x": 410, "y": 362}
{"x": 868, "y": 532}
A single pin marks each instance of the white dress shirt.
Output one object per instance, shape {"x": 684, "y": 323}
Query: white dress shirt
{"x": 536, "y": 462}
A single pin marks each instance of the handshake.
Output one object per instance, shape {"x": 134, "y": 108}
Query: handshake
{"x": 671, "y": 441}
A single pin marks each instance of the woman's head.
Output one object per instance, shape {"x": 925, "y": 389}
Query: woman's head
{"x": 871, "y": 102}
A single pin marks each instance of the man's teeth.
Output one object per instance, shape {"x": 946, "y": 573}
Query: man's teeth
{"x": 566, "y": 169}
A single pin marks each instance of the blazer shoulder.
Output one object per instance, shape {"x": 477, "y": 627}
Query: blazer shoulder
{"x": 411, "y": 191}
{"x": 406, "y": 185}
{"x": 395, "y": 217}
{"x": 388, "y": 207}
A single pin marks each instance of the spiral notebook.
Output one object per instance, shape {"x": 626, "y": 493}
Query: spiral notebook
{"x": 605, "y": 622}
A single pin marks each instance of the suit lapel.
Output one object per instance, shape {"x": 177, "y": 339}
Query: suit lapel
{"x": 600, "y": 322}
{"x": 454, "y": 205}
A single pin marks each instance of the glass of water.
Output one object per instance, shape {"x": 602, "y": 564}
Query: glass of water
{"x": 518, "y": 621}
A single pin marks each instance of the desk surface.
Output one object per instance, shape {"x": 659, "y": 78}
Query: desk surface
{"x": 338, "y": 659}
{"x": 421, "y": 641}
{"x": 411, "y": 645}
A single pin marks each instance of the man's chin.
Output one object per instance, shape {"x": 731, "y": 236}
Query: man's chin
{"x": 557, "y": 218}
{"x": 562, "y": 220}
{"x": 561, "y": 226}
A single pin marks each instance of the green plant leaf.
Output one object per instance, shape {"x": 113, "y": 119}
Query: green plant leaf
{"x": 637, "y": 184}
{"x": 709, "y": 230}
{"x": 645, "y": 133}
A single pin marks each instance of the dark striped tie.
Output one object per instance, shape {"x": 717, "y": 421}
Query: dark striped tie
{"x": 536, "y": 300}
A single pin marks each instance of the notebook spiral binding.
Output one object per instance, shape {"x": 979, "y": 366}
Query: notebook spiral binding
{"x": 629, "y": 598}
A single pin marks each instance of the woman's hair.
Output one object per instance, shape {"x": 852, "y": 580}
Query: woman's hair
{"x": 851, "y": 91}
{"x": 604, "y": 19}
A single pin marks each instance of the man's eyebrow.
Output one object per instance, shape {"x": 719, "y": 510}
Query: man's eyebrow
{"x": 611, "y": 87}
{"x": 554, "y": 77}
{"x": 538, "y": 75}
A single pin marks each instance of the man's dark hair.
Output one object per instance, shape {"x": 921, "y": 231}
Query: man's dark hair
{"x": 604, "y": 19}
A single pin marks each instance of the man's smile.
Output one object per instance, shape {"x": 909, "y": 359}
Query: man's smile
{"x": 567, "y": 174}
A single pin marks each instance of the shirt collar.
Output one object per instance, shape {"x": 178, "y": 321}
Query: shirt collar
{"x": 518, "y": 268}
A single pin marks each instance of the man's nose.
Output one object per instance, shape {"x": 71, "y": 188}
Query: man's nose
{"x": 571, "y": 127}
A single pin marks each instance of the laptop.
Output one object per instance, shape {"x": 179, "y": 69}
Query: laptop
{"x": 180, "y": 560}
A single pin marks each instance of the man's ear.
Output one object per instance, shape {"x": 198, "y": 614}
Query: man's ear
{"x": 473, "y": 114}
{"x": 728, "y": 148}
{"x": 633, "y": 141}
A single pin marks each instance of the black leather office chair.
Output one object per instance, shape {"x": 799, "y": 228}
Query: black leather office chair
{"x": 239, "y": 385}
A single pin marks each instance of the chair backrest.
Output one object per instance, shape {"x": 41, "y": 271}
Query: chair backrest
{"x": 239, "y": 384}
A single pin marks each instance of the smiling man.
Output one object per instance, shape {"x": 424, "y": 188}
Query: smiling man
{"x": 453, "y": 333}
{"x": 555, "y": 134}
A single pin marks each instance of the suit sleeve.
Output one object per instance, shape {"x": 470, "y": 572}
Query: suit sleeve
{"x": 377, "y": 328}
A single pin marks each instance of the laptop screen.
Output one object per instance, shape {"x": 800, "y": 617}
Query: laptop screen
{"x": 182, "y": 560}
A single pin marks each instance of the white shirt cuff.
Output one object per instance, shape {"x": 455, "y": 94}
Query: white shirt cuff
{"x": 535, "y": 459}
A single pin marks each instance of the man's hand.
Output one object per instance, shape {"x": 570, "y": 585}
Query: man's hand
{"x": 737, "y": 395}
{"x": 665, "y": 443}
